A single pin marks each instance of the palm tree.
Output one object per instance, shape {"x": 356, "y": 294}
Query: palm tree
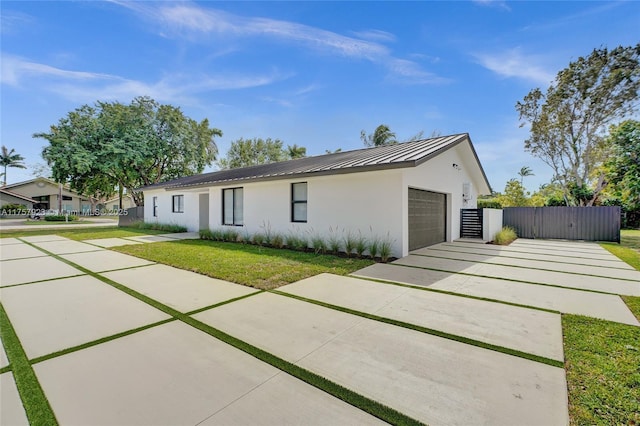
{"x": 524, "y": 172}
{"x": 10, "y": 159}
{"x": 381, "y": 136}
{"x": 294, "y": 151}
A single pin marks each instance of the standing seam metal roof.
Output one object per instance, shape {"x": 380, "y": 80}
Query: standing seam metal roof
{"x": 408, "y": 154}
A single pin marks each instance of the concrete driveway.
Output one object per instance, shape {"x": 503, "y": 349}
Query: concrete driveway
{"x": 113, "y": 339}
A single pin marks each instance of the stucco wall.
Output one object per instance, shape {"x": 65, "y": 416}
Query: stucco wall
{"x": 368, "y": 203}
{"x": 491, "y": 223}
{"x": 371, "y": 203}
{"x": 439, "y": 175}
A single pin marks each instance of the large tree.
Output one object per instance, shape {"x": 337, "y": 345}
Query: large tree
{"x": 98, "y": 148}
{"x": 623, "y": 166}
{"x": 568, "y": 123}
{"x": 256, "y": 151}
{"x": 8, "y": 158}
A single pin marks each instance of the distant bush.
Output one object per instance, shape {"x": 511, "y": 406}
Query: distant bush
{"x": 60, "y": 218}
{"x": 165, "y": 227}
{"x": 490, "y": 203}
{"x": 505, "y": 236}
{"x": 8, "y": 207}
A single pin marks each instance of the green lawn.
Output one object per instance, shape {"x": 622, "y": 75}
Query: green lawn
{"x": 602, "y": 362}
{"x": 254, "y": 266}
{"x": 602, "y": 358}
{"x": 82, "y": 233}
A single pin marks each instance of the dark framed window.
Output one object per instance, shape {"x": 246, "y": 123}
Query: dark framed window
{"x": 299, "y": 202}
{"x": 155, "y": 206}
{"x": 67, "y": 198}
{"x": 178, "y": 203}
{"x": 233, "y": 207}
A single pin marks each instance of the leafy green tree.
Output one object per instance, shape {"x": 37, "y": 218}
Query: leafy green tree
{"x": 623, "y": 168}
{"x": 567, "y": 122}
{"x": 549, "y": 194}
{"x": 97, "y": 148}
{"x": 381, "y": 136}
{"x": 8, "y": 158}
{"x": 514, "y": 195}
{"x": 252, "y": 152}
{"x": 524, "y": 172}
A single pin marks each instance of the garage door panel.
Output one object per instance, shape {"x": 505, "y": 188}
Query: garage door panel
{"x": 427, "y": 218}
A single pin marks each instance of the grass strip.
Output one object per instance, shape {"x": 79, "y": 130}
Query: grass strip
{"x": 225, "y": 302}
{"x": 522, "y": 267}
{"x": 43, "y": 281}
{"x": 603, "y": 374}
{"x": 513, "y": 280}
{"x": 98, "y": 341}
{"x": 506, "y": 248}
{"x": 79, "y": 234}
{"x": 523, "y": 258}
{"x": 362, "y": 402}
{"x": 453, "y": 293}
{"x": 35, "y": 403}
{"x": 431, "y": 331}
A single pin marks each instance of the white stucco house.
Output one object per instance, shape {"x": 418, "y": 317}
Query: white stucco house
{"x": 410, "y": 193}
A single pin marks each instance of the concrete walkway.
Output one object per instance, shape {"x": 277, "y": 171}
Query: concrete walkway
{"x": 441, "y": 267}
{"x": 139, "y": 368}
{"x": 145, "y": 367}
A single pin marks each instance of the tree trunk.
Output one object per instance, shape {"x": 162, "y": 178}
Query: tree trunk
{"x": 602, "y": 183}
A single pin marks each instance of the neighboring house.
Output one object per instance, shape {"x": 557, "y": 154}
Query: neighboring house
{"x": 114, "y": 203}
{"x": 46, "y": 194}
{"x": 409, "y": 193}
{"x": 9, "y": 197}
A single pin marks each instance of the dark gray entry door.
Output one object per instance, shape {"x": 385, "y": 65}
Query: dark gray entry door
{"x": 427, "y": 218}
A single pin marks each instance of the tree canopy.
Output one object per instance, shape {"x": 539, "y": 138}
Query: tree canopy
{"x": 623, "y": 167}
{"x": 256, "y": 151}
{"x": 8, "y": 158}
{"x": 96, "y": 148}
{"x": 568, "y": 123}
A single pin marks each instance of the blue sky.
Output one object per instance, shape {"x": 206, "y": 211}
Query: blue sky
{"x": 308, "y": 73}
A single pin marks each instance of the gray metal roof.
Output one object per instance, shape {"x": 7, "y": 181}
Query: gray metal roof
{"x": 408, "y": 154}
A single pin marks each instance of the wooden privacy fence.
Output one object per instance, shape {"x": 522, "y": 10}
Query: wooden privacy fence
{"x": 566, "y": 223}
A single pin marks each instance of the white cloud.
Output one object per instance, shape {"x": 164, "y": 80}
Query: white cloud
{"x": 501, "y": 4}
{"x": 194, "y": 22}
{"x": 512, "y": 63}
{"x": 11, "y": 22}
{"x": 87, "y": 86}
{"x": 375, "y": 35}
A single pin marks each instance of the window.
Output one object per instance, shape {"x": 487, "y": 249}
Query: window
{"x": 299, "y": 202}
{"x": 155, "y": 206}
{"x": 67, "y": 198}
{"x": 178, "y": 204}
{"x": 232, "y": 207}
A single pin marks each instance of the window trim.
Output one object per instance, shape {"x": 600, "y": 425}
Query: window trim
{"x": 294, "y": 202}
{"x": 155, "y": 206}
{"x": 180, "y": 205}
{"x": 233, "y": 206}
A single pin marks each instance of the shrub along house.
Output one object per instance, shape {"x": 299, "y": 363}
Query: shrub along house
{"x": 409, "y": 193}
